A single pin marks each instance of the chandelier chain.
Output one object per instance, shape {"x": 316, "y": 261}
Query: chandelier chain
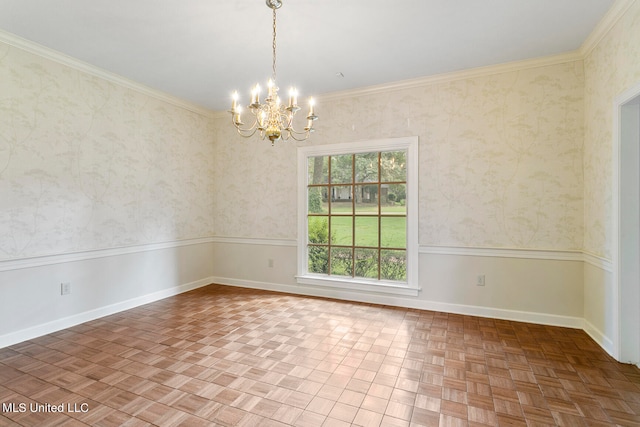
{"x": 274, "y": 46}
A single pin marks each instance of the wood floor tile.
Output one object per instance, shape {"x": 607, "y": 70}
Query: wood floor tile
{"x": 224, "y": 356}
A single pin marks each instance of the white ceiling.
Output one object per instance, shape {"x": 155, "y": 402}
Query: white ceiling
{"x": 201, "y": 50}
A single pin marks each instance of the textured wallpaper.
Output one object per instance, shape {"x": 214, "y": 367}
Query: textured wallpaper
{"x": 610, "y": 69}
{"x": 500, "y": 160}
{"x": 256, "y": 187}
{"x": 87, "y": 164}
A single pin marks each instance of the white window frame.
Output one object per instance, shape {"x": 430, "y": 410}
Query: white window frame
{"x": 408, "y": 288}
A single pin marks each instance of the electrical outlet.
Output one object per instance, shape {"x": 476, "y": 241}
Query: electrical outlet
{"x": 480, "y": 280}
{"x": 270, "y": 262}
{"x": 65, "y": 288}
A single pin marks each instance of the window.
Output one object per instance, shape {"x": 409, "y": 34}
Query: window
{"x": 358, "y": 215}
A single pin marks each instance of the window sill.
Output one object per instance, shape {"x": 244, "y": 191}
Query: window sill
{"x": 347, "y": 284}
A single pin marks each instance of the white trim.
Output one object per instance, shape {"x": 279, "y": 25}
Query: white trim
{"x": 358, "y": 285}
{"x": 254, "y": 241}
{"x": 78, "y": 65}
{"x": 67, "y": 322}
{"x": 600, "y": 338}
{"x": 602, "y": 29}
{"x": 615, "y": 225}
{"x": 605, "y": 25}
{"x": 616, "y": 269}
{"x": 355, "y": 147}
{"x": 220, "y": 115}
{"x": 454, "y": 76}
{"x": 399, "y": 301}
{"x": 410, "y": 144}
{"x": 39, "y": 261}
{"x": 598, "y": 261}
{"x": 504, "y": 253}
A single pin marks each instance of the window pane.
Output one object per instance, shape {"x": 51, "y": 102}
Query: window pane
{"x": 318, "y": 229}
{"x": 342, "y": 230}
{"x": 393, "y": 265}
{"x": 366, "y": 231}
{"x": 319, "y": 259}
{"x": 393, "y": 232}
{"x": 367, "y": 167}
{"x": 357, "y": 212}
{"x": 341, "y": 262}
{"x": 317, "y": 200}
{"x": 367, "y": 263}
{"x": 394, "y": 199}
{"x": 341, "y": 202}
{"x": 318, "y": 170}
{"x": 342, "y": 169}
{"x": 393, "y": 166}
{"x": 367, "y": 197}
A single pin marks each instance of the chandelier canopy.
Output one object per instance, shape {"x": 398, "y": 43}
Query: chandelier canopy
{"x": 272, "y": 118}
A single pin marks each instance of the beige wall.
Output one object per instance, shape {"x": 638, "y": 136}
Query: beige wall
{"x": 514, "y": 158}
{"x": 86, "y": 163}
{"x": 500, "y": 166}
{"x": 612, "y": 67}
{"x": 500, "y": 160}
{"x": 103, "y": 186}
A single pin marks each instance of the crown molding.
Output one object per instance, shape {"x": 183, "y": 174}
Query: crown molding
{"x": 614, "y": 14}
{"x": 78, "y": 65}
{"x": 610, "y": 19}
{"x": 457, "y": 75}
{"x": 605, "y": 25}
{"x": 219, "y": 114}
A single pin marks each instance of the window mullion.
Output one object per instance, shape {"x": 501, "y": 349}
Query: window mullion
{"x": 329, "y": 197}
{"x": 353, "y": 216}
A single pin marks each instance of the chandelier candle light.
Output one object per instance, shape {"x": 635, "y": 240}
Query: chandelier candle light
{"x": 272, "y": 118}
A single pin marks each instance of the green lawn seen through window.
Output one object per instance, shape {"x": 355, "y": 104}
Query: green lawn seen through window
{"x": 366, "y": 231}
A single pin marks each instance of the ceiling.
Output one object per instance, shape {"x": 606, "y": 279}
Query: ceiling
{"x": 201, "y": 50}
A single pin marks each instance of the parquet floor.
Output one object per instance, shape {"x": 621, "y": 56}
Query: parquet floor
{"x": 230, "y": 356}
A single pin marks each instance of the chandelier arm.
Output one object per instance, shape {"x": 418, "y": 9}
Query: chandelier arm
{"x": 246, "y": 131}
{"x": 306, "y": 136}
{"x": 300, "y": 132}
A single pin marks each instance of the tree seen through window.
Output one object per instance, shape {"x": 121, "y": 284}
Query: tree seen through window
{"x": 357, "y": 216}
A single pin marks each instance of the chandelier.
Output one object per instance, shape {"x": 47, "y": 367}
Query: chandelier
{"x": 272, "y": 118}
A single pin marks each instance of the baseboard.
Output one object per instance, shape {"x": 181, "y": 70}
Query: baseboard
{"x": 76, "y": 319}
{"x": 489, "y": 312}
{"x": 600, "y": 338}
{"x": 370, "y": 298}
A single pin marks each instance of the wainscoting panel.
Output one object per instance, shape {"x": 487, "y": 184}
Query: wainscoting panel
{"x": 542, "y": 287}
{"x": 102, "y": 283}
